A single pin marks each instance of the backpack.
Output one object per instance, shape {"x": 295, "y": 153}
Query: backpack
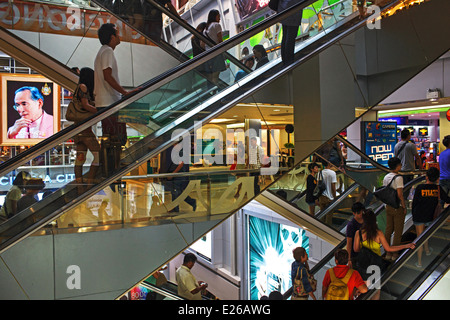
{"x": 338, "y": 290}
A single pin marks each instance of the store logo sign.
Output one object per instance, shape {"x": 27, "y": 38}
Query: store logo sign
{"x": 382, "y": 152}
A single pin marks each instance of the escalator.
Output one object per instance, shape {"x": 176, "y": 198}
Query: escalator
{"x": 61, "y": 246}
{"x": 327, "y": 262}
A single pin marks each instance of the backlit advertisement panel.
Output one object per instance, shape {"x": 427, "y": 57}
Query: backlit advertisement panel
{"x": 270, "y": 255}
{"x": 379, "y": 140}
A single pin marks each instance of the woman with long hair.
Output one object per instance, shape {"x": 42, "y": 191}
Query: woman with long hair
{"x": 213, "y": 31}
{"x": 372, "y": 238}
{"x": 86, "y": 140}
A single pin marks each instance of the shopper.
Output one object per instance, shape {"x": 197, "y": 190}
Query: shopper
{"x": 372, "y": 238}
{"x": 188, "y": 287}
{"x": 9, "y": 207}
{"x": 352, "y": 227}
{"x": 407, "y": 153}
{"x": 260, "y": 55}
{"x": 249, "y": 63}
{"x": 86, "y": 139}
{"x": 395, "y": 217}
{"x": 32, "y": 188}
{"x": 153, "y": 22}
{"x": 197, "y": 47}
{"x": 425, "y": 201}
{"x": 330, "y": 180}
{"x": 444, "y": 167}
{"x": 311, "y": 183}
{"x": 342, "y": 282}
{"x": 300, "y": 270}
{"x": 290, "y": 27}
{"x": 213, "y": 31}
{"x": 107, "y": 90}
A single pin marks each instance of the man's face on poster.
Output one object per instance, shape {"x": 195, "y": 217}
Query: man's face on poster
{"x": 27, "y": 107}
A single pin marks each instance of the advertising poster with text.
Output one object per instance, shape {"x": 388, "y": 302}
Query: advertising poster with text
{"x": 379, "y": 140}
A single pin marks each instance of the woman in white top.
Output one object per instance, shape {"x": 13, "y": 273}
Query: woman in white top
{"x": 213, "y": 31}
{"x": 395, "y": 218}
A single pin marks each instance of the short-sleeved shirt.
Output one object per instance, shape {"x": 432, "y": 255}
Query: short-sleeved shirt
{"x": 340, "y": 271}
{"x": 397, "y": 183}
{"x": 105, "y": 95}
{"x": 212, "y": 31}
{"x": 352, "y": 227}
{"x": 186, "y": 283}
{"x": 329, "y": 177}
{"x": 406, "y": 155}
{"x": 311, "y": 184}
{"x": 444, "y": 165}
{"x": 426, "y": 197}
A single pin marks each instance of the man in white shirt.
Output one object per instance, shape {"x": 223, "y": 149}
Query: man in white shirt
{"x": 329, "y": 178}
{"x": 188, "y": 287}
{"x": 107, "y": 90}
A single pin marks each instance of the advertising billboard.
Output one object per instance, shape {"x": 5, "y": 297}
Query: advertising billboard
{"x": 270, "y": 246}
{"x": 379, "y": 139}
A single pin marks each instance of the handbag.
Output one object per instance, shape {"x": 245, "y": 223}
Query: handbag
{"x": 75, "y": 111}
{"x": 320, "y": 187}
{"x": 297, "y": 286}
{"x": 388, "y": 195}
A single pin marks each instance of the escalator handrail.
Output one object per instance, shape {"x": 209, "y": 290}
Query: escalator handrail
{"x": 404, "y": 257}
{"x": 369, "y": 160}
{"x": 144, "y": 90}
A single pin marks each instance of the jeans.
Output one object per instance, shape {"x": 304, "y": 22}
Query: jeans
{"x": 288, "y": 43}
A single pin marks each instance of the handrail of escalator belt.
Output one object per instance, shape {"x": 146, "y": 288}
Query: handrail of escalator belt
{"x": 404, "y": 257}
{"x": 145, "y": 89}
{"x": 337, "y": 201}
{"x": 374, "y": 163}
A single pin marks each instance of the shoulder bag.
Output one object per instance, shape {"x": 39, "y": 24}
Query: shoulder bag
{"x": 388, "y": 195}
{"x": 75, "y": 111}
{"x": 320, "y": 187}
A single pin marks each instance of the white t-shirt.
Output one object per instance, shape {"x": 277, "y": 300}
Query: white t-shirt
{"x": 397, "y": 183}
{"x": 212, "y": 31}
{"x": 329, "y": 177}
{"x": 105, "y": 95}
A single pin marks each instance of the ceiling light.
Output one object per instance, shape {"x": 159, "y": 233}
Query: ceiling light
{"x": 276, "y": 110}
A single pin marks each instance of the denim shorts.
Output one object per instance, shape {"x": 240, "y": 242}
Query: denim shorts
{"x": 427, "y": 224}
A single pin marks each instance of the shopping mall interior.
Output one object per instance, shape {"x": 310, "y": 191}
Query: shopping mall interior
{"x": 217, "y": 167}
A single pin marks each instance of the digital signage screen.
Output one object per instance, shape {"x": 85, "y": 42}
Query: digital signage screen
{"x": 270, "y": 255}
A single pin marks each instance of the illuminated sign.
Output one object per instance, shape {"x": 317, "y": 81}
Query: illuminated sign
{"x": 379, "y": 140}
{"x": 270, "y": 256}
{"x": 423, "y": 132}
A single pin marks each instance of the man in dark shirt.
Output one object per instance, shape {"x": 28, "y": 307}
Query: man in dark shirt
{"x": 153, "y": 22}
{"x": 426, "y": 198}
{"x": 352, "y": 227}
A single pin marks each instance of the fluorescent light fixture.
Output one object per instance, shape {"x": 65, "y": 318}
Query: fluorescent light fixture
{"x": 414, "y": 109}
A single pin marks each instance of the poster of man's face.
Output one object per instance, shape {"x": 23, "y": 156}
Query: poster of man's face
{"x": 31, "y": 106}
